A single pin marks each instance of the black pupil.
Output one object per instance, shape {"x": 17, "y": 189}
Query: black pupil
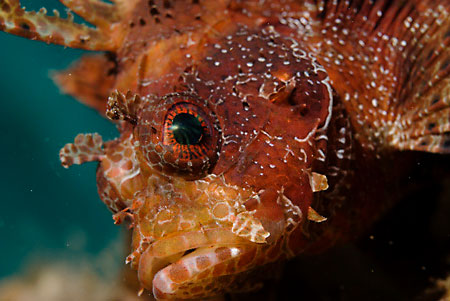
{"x": 186, "y": 129}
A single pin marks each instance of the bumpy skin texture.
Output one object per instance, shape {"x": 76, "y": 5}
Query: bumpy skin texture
{"x": 294, "y": 101}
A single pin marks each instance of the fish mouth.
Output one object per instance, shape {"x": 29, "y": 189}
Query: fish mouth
{"x": 173, "y": 260}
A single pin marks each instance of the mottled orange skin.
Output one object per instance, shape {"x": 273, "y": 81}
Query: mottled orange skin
{"x": 261, "y": 173}
{"x": 297, "y": 100}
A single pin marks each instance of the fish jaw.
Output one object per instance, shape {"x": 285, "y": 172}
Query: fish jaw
{"x": 204, "y": 272}
{"x": 177, "y": 266}
{"x": 195, "y": 239}
{"x": 203, "y": 264}
{"x": 181, "y": 247}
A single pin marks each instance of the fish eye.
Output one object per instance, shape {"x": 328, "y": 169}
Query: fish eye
{"x": 185, "y": 126}
{"x": 186, "y": 129}
{"x": 188, "y": 140}
{"x": 187, "y": 132}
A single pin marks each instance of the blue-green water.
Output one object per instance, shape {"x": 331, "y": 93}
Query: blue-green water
{"x": 47, "y": 212}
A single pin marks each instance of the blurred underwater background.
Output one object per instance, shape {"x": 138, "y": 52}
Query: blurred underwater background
{"x": 48, "y": 213}
{"x": 51, "y": 216}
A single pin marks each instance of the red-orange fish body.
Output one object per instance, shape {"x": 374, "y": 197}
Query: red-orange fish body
{"x": 246, "y": 126}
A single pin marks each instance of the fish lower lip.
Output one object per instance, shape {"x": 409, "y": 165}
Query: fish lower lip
{"x": 165, "y": 251}
{"x": 180, "y": 279}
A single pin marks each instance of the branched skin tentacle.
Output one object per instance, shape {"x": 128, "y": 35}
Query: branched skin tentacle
{"x": 85, "y": 148}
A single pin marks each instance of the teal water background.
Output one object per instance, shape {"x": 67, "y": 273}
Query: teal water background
{"x": 47, "y": 213}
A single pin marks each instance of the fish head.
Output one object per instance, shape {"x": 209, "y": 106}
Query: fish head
{"x": 221, "y": 136}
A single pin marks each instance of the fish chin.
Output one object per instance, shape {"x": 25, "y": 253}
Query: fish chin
{"x": 205, "y": 272}
{"x": 188, "y": 264}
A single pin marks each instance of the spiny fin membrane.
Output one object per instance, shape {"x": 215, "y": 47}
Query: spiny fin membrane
{"x": 53, "y": 29}
{"x": 389, "y": 63}
{"x": 89, "y": 80}
{"x": 97, "y": 12}
{"x": 424, "y": 117}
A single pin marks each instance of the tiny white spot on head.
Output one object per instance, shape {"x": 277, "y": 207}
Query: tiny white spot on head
{"x": 347, "y": 97}
{"x": 234, "y": 252}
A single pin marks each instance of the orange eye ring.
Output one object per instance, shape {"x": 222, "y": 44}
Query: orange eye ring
{"x": 180, "y": 135}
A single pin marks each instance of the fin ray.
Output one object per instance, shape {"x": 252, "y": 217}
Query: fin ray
{"x": 89, "y": 80}
{"x": 400, "y": 53}
{"x": 52, "y": 29}
{"x": 97, "y": 12}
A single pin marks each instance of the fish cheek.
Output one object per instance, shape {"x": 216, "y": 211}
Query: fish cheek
{"x": 273, "y": 171}
{"x": 311, "y": 99}
{"x": 268, "y": 146}
{"x": 119, "y": 174}
{"x": 269, "y": 213}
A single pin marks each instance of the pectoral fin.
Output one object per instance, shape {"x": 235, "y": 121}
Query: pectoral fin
{"x": 56, "y": 30}
{"x": 89, "y": 80}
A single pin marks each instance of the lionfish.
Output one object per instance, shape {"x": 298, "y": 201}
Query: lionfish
{"x": 251, "y": 131}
